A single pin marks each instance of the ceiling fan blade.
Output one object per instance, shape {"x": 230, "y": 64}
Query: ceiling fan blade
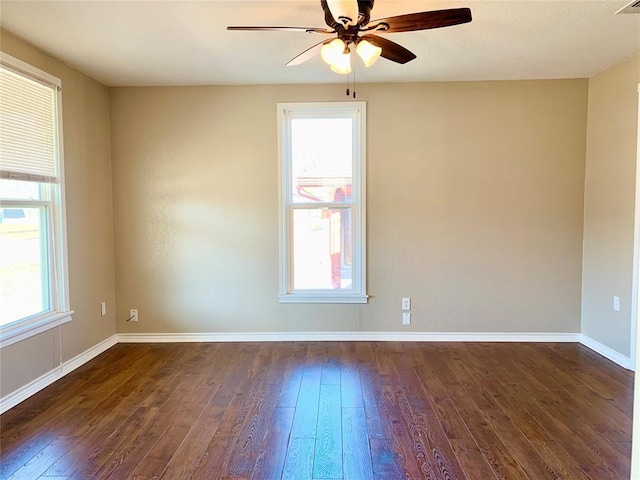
{"x": 423, "y": 20}
{"x": 282, "y": 29}
{"x": 391, "y": 50}
{"x": 308, "y": 54}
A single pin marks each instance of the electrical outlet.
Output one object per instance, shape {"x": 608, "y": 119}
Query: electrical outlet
{"x": 616, "y": 304}
{"x": 406, "y": 303}
{"x": 133, "y": 315}
{"x": 103, "y": 308}
{"x": 406, "y": 318}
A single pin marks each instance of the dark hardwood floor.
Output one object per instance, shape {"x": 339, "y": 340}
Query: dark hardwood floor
{"x": 327, "y": 410}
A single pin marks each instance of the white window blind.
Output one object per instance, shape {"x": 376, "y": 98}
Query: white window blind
{"x": 27, "y": 128}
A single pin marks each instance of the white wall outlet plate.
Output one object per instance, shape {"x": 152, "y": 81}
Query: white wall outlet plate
{"x": 406, "y": 303}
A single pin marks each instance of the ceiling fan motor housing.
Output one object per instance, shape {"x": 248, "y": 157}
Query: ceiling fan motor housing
{"x": 364, "y": 15}
{"x": 364, "y": 11}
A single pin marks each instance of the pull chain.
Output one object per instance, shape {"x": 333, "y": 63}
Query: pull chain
{"x": 349, "y": 91}
{"x": 354, "y": 81}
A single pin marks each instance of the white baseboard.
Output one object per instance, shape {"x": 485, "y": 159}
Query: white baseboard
{"x": 607, "y": 352}
{"x": 48, "y": 378}
{"x": 346, "y": 337}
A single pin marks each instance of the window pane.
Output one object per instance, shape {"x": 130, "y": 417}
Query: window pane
{"x": 24, "y": 276}
{"x": 322, "y": 166}
{"x": 19, "y": 190}
{"x": 322, "y": 249}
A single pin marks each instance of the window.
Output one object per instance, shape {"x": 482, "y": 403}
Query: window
{"x": 322, "y": 197}
{"x": 33, "y": 268}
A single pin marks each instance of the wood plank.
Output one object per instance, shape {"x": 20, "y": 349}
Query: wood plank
{"x": 440, "y": 452}
{"x": 305, "y": 419}
{"x": 270, "y": 461}
{"x": 356, "y": 456}
{"x": 464, "y": 445}
{"x": 102, "y": 452}
{"x": 494, "y": 450}
{"x": 122, "y": 462}
{"x": 66, "y": 421}
{"x": 185, "y": 458}
{"x": 331, "y": 364}
{"x": 516, "y": 442}
{"x": 251, "y": 380}
{"x": 156, "y": 460}
{"x": 112, "y": 411}
{"x": 376, "y": 426}
{"x": 407, "y": 442}
{"x": 292, "y": 377}
{"x": 145, "y": 402}
{"x": 565, "y": 403}
{"x": 49, "y": 399}
{"x": 299, "y": 462}
{"x": 603, "y": 412}
{"x": 596, "y": 377}
{"x": 28, "y": 430}
{"x": 328, "y": 448}
{"x": 255, "y": 427}
{"x": 587, "y": 459}
{"x": 544, "y": 443}
{"x": 37, "y": 465}
{"x": 350, "y": 385}
{"x": 385, "y": 461}
{"x": 214, "y": 459}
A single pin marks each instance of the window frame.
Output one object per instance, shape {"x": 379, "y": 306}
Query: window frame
{"x": 53, "y": 200}
{"x": 287, "y": 112}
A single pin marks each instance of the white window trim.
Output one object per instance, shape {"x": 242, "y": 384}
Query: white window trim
{"x": 60, "y": 311}
{"x": 21, "y": 330}
{"x": 319, "y": 110}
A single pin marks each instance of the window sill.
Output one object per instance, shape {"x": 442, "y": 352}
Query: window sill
{"x": 18, "y": 331}
{"x": 322, "y": 298}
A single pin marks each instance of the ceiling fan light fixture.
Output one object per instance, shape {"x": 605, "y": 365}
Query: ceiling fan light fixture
{"x": 332, "y": 49}
{"x": 336, "y": 53}
{"x": 368, "y": 52}
{"x": 344, "y": 11}
{"x": 343, "y": 65}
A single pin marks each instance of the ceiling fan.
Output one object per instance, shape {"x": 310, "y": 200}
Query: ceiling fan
{"x": 350, "y": 21}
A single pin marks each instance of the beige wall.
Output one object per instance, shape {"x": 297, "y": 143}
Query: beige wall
{"x": 609, "y": 204}
{"x": 87, "y": 158}
{"x": 475, "y": 208}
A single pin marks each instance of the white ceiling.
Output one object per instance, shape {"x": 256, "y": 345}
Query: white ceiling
{"x": 186, "y": 43}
